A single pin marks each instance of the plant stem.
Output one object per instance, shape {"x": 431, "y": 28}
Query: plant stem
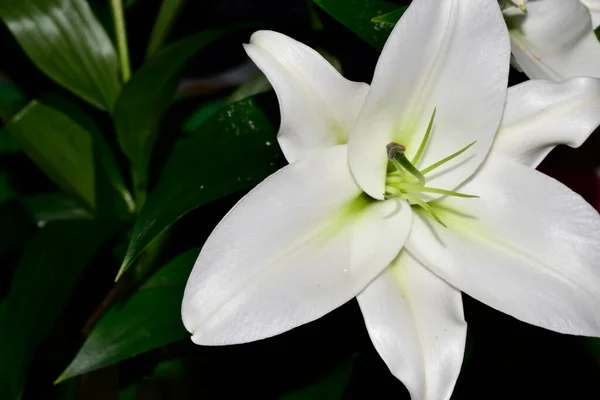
{"x": 119, "y": 20}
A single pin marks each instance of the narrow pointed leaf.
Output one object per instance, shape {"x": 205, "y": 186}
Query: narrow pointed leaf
{"x": 148, "y": 94}
{"x": 356, "y": 15}
{"x": 60, "y": 147}
{"x": 45, "y": 276}
{"x": 11, "y": 102}
{"x": 149, "y": 319}
{"x": 66, "y": 42}
{"x": 257, "y": 84}
{"x": 390, "y": 18}
{"x": 233, "y": 149}
{"x": 166, "y": 17}
{"x": 78, "y": 160}
{"x": 45, "y": 208}
{"x": 201, "y": 114}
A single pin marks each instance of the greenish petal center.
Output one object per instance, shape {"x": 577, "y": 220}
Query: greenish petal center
{"x": 407, "y": 181}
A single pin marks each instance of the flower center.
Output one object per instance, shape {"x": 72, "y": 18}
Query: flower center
{"x": 406, "y": 180}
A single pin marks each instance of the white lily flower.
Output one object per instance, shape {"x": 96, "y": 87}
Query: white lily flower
{"x": 322, "y": 229}
{"x": 555, "y": 39}
{"x": 594, "y": 7}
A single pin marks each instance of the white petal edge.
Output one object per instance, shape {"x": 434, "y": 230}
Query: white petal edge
{"x": 554, "y": 40}
{"x": 448, "y": 55}
{"x": 540, "y": 115}
{"x": 302, "y": 243}
{"x": 529, "y": 247}
{"x": 416, "y": 323}
{"x": 594, "y": 7}
{"x": 318, "y": 106}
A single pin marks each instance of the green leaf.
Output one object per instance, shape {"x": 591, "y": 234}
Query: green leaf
{"x": 171, "y": 369}
{"x": 233, "y": 150}
{"x": 66, "y": 42}
{"x": 6, "y": 191}
{"x": 7, "y": 143}
{"x": 166, "y": 17}
{"x": 149, "y": 319}
{"x": 45, "y": 276}
{"x": 11, "y": 101}
{"x": 59, "y": 146}
{"x": 356, "y": 15}
{"x": 257, "y": 84}
{"x": 77, "y": 160}
{"x": 45, "y": 208}
{"x": 129, "y": 3}
{"x": 146, "y": 97}
{"x": 593, "y": 346}
{"x": 15, "y": 227}
{"x": 331, "y": 387}
{"x": 10, "y": 94}
{"x": 390, "y": 18}
{"x": 597, "y": 32}
{"x": 201, "y": 114}
{"x": 129, "y": 393}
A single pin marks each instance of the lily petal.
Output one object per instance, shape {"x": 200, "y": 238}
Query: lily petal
{"x": 554, "y": 40}
{"x": 594, "y": 7}
{"x": 521, "y": 4}
{"x": 448, "y": 55}
{"x": 416, "y": 323}
{"x": 542, "y": 114}
{"x": 529, "y": 247}
{"x": 318, "y": 106}
{"x": 302, "y": 243}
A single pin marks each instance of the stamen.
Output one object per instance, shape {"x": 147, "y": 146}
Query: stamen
{"x": 395, "y": 152}
{"x": 407, "y": 179}
{"x": 425, "y": 140}
{"x": 425, "y": 207}
{"x": 445, "y": 160}
{"x": 395, "y": 179}
{"x": 392, "y": 191}
{"x": 425, "y": 189}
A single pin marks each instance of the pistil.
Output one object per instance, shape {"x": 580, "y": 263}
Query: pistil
{"x": 408, "y": 179}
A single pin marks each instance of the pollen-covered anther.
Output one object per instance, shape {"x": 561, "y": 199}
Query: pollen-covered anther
{"x": 392, "y": 148}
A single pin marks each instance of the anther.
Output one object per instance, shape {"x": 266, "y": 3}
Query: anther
{"x": 395, "y": 152}
{"x": 393, "y": 148}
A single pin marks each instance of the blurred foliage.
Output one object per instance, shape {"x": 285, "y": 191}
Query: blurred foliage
{"x": 45, "y": 276}
{"x": 357, "y": 15}
{"x": 147, "y": 320}
{"x": 102, "y": 174}
{"x": 237, "y": 141}
{"x": 391, "y": 17}
{"x": 66, "y": 42}
{"x": 146, "y": 97}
